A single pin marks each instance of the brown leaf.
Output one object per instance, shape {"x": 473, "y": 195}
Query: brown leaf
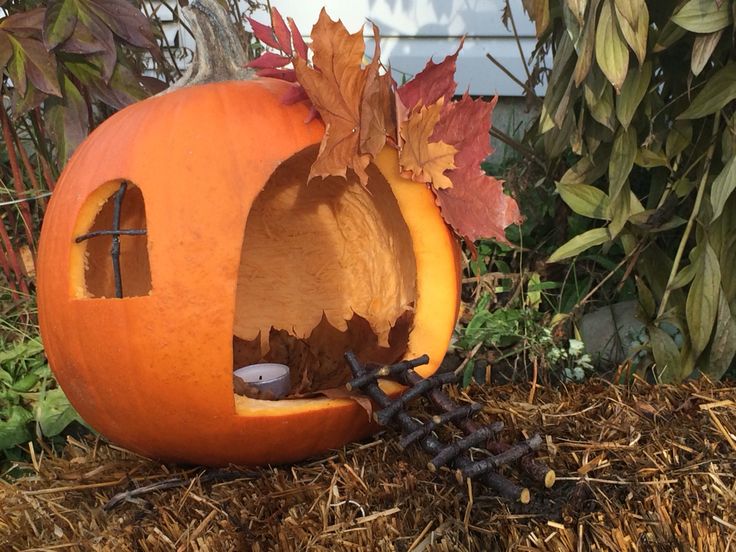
{"x": 342, "y": 393}
{"x": 433, "y": 82}
{"x": 377, "y": 113}
{"x": 703, "y": 48}
{"x": 420, "y": 159}
{"x": 335, "y": 85}
{"x": 377, "y": 107}
{"x": 538, "y": 11}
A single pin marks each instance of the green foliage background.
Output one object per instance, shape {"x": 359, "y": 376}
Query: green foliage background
{"x": 638, "y": 131}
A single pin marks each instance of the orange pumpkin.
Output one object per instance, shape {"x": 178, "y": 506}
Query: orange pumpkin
{"x": 236, "y": 243}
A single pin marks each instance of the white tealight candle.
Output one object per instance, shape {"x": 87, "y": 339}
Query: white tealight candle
{"x": 268, "y": 377}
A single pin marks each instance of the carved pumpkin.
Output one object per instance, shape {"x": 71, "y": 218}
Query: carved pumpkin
{"x": 236, "y": 243}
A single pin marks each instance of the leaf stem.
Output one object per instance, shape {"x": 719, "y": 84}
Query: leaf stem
{"x": 691, "y": 220}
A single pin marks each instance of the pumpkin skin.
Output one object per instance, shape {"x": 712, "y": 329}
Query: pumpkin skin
{"x": 153, "y": 373}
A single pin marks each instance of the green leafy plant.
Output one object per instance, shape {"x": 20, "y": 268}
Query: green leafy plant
{"x": 64, "y": 66}
{"x": 639, "y": 129}
{"x": 30, "y": 402}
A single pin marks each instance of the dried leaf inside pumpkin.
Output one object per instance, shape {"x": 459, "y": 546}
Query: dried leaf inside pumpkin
{"x": 316, "y": 363}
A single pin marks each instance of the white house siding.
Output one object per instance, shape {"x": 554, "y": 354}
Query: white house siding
{"x": 414, "y": 31}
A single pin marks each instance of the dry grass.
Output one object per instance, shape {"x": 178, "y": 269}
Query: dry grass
{"x": 650, "y": 468}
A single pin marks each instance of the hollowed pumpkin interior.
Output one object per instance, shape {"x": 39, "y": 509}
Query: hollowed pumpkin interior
{"x": 326, "y": 266}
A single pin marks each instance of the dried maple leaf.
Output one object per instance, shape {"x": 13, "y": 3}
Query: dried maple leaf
{"x": 475, "y": 206}
{"x": 335, "y": 83}
{"x": 478, "y": 208}
{"x": 466, "y": 125}
{"x": 420, "y": 159}
{"x": 377, "y": 109}
{"x": 433, "y": 82}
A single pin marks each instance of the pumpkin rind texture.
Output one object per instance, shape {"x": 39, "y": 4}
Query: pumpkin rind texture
{"x": 153, "y": 372}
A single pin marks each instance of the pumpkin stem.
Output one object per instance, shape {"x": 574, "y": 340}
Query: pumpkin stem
{"x": 219, "y": 55}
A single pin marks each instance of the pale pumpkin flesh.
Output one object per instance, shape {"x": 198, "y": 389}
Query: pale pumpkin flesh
{"x": 322, "y": 254}
{"x": 153, "y": 372}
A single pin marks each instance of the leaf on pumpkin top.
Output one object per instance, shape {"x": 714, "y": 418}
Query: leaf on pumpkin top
{"x": 269, "y": 60}
{"x": 300, "y": 47}
{"x": 279, "y": 37}
{"x": 475, "y": 206}
{"x": 377, "y": 106}
{"x": 420, "y": 159}
{"x": 466, "y": 125}
{"x": 377, "y": 113}
{"x": 335, "y": 83}
{"x": 263, "y": 33}
{"x": 478, "y": 208}
{"x": 281, "y": 31}
{"x": 270, "y": 64}
{"x": 433, "y": 82}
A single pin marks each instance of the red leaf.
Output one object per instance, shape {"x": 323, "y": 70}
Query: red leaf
{"x": 466, "y": 124}
{"x": 263, "y": 33}
{"x": 269, "y": 60}
{"x": 294, "y": 94}
{"x": 435, "y": 81}
{"x": 477, "y": 207}
{"x": 282, "y": 74}
{"x": 299, "y": 45}
{"x": 281, "y": 31}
